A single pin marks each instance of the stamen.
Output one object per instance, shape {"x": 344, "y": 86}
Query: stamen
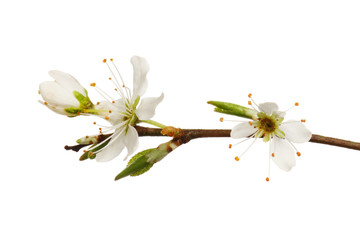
{"x": 98, "y": 103}
{"x": 267, "y": 179}
{"x": 273, "y": 154}
{"x": 46, "y": 103}
{"x": 230, "y": 145}
{"x": 107, "y": 118}
{"x": 115, "y": 81}
{"x": 250, "y": 123}
{"x": 113, "y": 101}
{"x": 252, "y": 101}
{"x": 103, "y": 94}
{"x": 237, "y": 158}
{"x": 303, "y": 120}
{"x": 248, "y": 148}
{"x": 221, "y": 119}
{"x": 296, "y": 104}
{"x": 122, "y": 80}
{"x": 297, "y": 152}
{"x": 94, "y": 123}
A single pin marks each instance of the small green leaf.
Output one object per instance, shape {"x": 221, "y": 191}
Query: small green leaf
{"x": 83, "y": 100}
{"x": 88, "y": 154}
{"x": 137, "y": 165}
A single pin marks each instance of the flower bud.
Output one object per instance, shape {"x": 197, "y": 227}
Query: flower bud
{"x": 143, "y": 161}
{"x": 233, "y": 109}
{"x": 65, "y": 95}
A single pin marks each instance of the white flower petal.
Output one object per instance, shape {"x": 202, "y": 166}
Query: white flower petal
{"x": 56, "y": 95}
{"x": 131, "y": 141}
{"x": 141, "y": 68}
{"x": 296, "y": 132}
{"x": 59, "y": 110}
{"x": 284, "y": 154}
{"x": 146, "y": 109}
{"x": 113, "y": 149}
{"x": 242, "y": 130}
{"x": 67, "y": 81}
{"x": 268, "y": 107}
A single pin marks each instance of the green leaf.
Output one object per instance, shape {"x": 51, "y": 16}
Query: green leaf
{"x": 137, "y": 165}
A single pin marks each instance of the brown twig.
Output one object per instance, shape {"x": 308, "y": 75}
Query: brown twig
{"x": 207, "y": 133}
{"x": 210, "y": 133}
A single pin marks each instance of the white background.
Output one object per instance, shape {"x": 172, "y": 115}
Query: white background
{"x": 281, "y": 51}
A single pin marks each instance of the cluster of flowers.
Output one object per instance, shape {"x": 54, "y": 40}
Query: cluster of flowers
{"x": 68, "y": 97}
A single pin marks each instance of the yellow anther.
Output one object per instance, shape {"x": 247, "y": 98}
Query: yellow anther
{"x": 92, "y": 84}
{"x": 84, "y": 151}
{"x": 267, "y": 179}
{"x": 38, "y": 91}
{"x": 249, "y": 95}
{"x": 97, "y": 103}
{"x": 45, "y": 103}
{"x": 249, "y": 102}
{"x": 109, "y": 78}
{"x": 91, "y": 153}
{"x": 113, "y": 101}
{"x": 104, "y": 61}
{"x": 111, "y": 59}
{"x": 94, "y": 123}
{"x": 110, "y": 111}
{"x": 250, "y": 123}
{"x": 123, "y": 85}
{"x": 100, "y": 129}
{"x": 298, "y": 153}
{"x": 221, "y": 119}
{"x": 303, "y": 120}
{"x": 230, "y": 145}
{"x": 107, "y": 118}
{"x": 115, "y": 89}
{"x": 273, "y": 154}
{"x": 296, "y": 104}
{"x": 87, "y": 137}
{"x": 237, "y": 158}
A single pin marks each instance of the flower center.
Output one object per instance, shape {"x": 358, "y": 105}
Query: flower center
{"x": 268, "y": 124}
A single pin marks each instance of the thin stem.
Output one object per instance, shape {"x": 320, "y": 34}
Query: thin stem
{"x": 207, "y": 133}
{"x": 154, "y": 123}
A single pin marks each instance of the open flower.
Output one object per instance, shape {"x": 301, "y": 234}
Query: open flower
{"x": 268, "y": 124}
{"x": 124, "y": 112}
{"x": 65, "y": 95}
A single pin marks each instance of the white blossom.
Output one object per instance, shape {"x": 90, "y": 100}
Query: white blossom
{"x": 268, "y": 124}
{"x": 125, "y": 111}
